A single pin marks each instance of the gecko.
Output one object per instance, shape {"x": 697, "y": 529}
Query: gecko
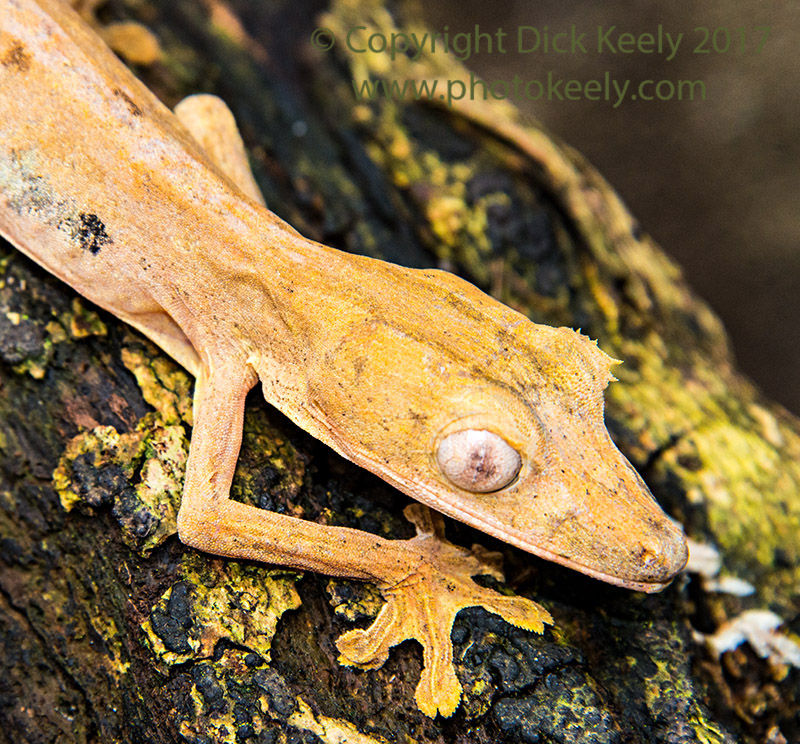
{"x": 458, "y": 401}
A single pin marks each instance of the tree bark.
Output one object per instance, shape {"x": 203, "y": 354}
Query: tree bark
{"x": 113, "y": 631}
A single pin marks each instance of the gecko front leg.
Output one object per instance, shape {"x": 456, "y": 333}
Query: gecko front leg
{"x": 425, "y": 580}
{"x": 210, "y": 521}
{"x": 211, "y": 123}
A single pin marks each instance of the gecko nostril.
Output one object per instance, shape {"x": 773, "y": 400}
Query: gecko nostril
{"x": 661, "y": 554}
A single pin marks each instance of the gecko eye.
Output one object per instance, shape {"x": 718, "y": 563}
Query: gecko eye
{"x": 478, "y": 460}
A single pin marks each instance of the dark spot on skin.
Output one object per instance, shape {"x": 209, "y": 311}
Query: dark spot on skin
{"x": 358, "y": 366}
{"x": 129, "y": 102}
{"x": 90, "y": 233}
{"x": 16, "y": 57}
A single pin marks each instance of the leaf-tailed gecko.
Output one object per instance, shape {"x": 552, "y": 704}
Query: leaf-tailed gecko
{"x": 416, "y": 375}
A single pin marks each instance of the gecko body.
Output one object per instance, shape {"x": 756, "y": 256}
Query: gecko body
{"x": 455, "y": 399}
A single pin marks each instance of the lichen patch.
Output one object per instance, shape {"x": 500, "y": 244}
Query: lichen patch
{"x": 216, "y": 600}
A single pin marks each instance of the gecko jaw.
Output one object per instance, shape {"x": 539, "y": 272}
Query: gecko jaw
{"x": 497, "y": 529}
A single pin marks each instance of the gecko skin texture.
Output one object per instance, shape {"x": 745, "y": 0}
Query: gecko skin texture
{"x": 109, "y": 191}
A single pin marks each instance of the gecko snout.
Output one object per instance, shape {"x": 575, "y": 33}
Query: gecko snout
{"x": 663, "y": 553}
{"x": 610, "y": 528}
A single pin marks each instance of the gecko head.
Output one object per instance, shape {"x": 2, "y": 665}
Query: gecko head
{"x": 470, "y": 408}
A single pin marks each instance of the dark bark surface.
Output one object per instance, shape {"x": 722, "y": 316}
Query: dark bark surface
{"x": 112, "y": 631}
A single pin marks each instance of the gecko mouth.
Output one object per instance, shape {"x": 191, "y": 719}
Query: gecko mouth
{"x": 668, "y": 555}
{"x": 649, "y": 586}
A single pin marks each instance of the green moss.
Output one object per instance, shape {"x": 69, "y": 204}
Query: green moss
{"x": 747, "y": 491}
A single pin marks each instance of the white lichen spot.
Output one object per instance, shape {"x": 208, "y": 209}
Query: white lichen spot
{"x": 705, "y": 560}
{"x": 759, "y": 628}
{"x": 732, "y": 585}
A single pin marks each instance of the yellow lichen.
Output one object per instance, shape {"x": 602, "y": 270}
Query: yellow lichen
{"x": 229, "y": 600}
{"x": 145, "y": 507}
{"x": 330, "y": 730}
{"x": 219, "y": 720}
{"x": 706, "y": 731}
{"x": 354, "y": 601}
{"x": 104, "y": 444}
{"x": 83, "y": 322}
{"x": 164, "y": 385}
{"x": 447, "y": 215}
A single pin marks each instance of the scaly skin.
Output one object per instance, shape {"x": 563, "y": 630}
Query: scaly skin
{"x": 104, "y": 187}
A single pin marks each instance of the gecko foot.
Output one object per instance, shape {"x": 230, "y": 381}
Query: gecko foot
{"x": 424, "y": 606}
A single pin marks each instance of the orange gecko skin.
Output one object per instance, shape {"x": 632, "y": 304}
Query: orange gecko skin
{"x": 109, "y": 191}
